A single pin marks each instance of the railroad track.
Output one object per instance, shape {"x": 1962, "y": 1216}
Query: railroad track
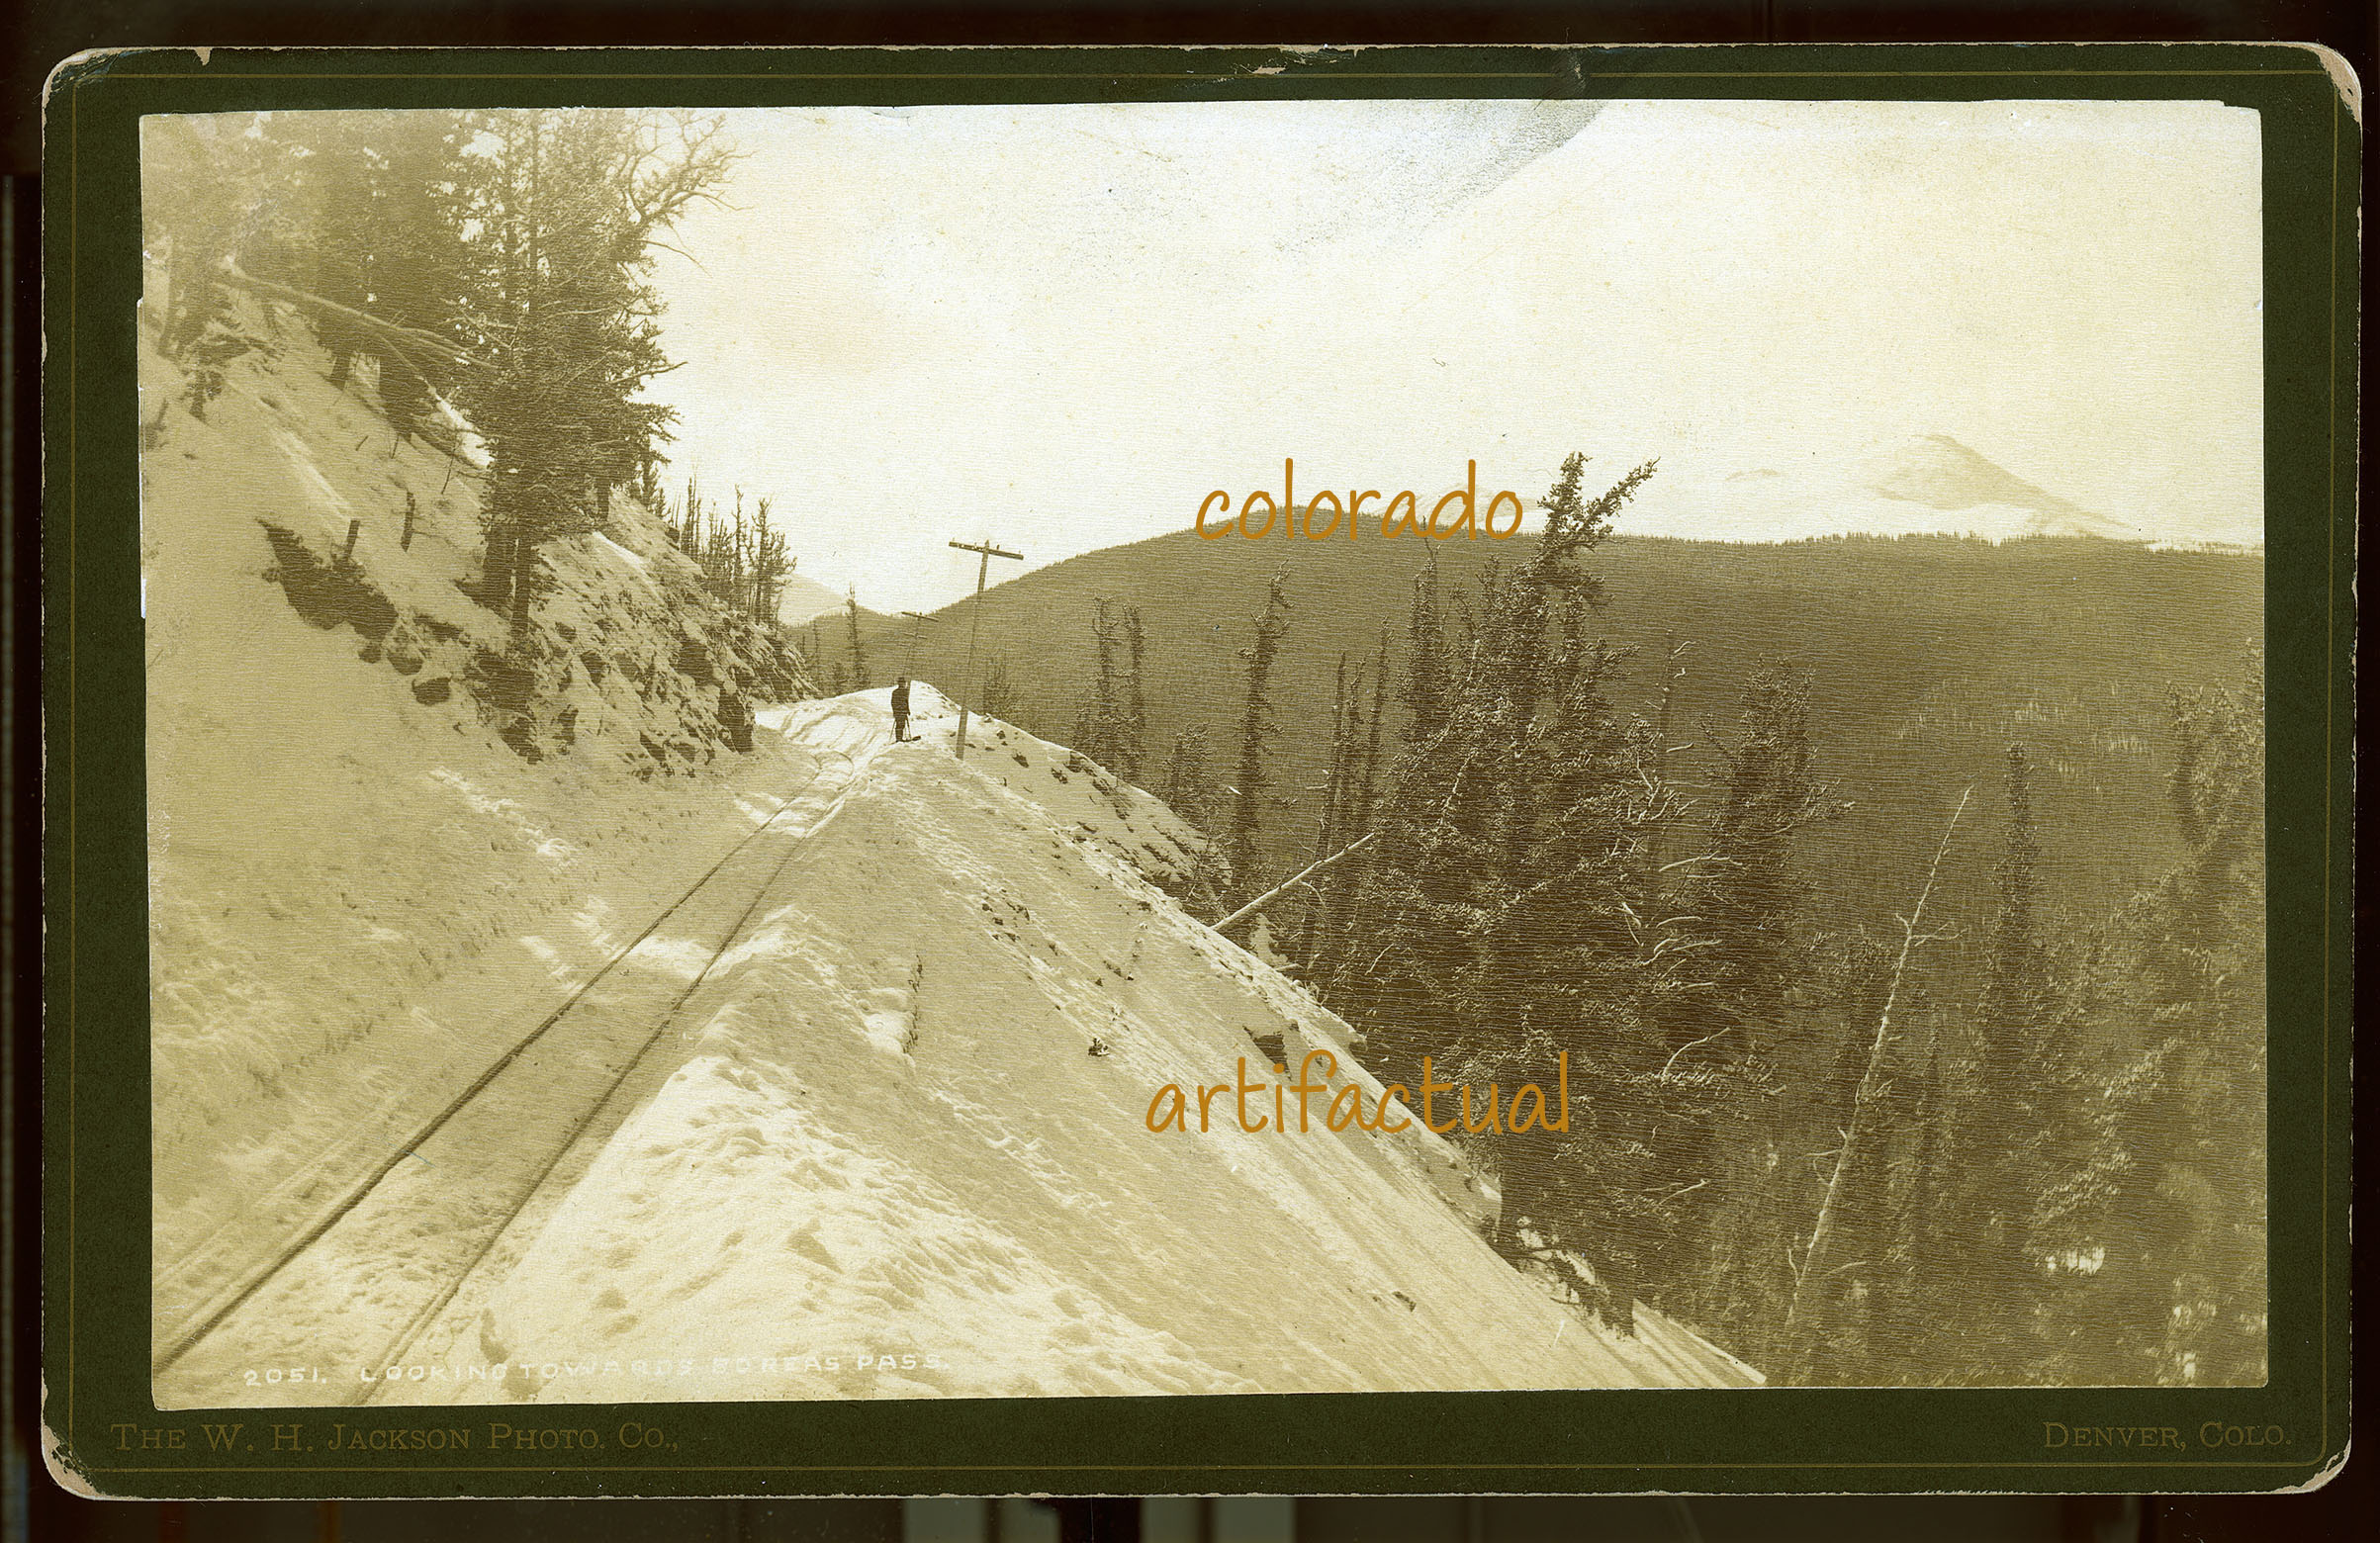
{"x": 370, "y": 1270}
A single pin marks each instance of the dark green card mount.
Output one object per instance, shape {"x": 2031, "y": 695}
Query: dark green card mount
{"x": 106, "y": 1436}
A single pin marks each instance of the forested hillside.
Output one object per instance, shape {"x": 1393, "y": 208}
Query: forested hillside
{"x": 1894, "y": 907}
{"x": 1927, "y": 657}
{"x": 469, "y": 292}
{"x": 1899, "y": 901}
{"x": 412, "y": 695}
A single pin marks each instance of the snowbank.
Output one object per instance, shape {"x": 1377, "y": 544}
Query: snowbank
{"x": 356, "y": 885}
{"x": 902, "y": 1150}
{"x": 891, "y": 1141}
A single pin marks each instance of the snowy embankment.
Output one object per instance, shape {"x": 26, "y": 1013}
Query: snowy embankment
{"x": 357, "y": 888}
{"x": 902, "y": 1149}
{"x": 890, "y": 1142}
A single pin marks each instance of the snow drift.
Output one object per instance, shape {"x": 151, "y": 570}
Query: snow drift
{"x": 902, "y": 1149}
{"x": 890, "y": 1143}
{"x": 339, "y": 827}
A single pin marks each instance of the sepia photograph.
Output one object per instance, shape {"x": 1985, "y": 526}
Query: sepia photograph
{"x": 1021, "y": 750}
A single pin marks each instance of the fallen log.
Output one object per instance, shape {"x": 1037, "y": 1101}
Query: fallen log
{"x": 402, "y": 342}
{"x": 1278, "y": 890}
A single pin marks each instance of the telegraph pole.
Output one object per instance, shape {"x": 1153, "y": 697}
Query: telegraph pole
{"x": 914, "y": 618}
{"x": 975, "y": 628}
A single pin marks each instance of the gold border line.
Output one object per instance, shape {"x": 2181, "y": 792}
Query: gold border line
{"x": 1171, "y": 1467}
{"x": 1218, "y": 76}
{"x": 73, "y": 788}
{"x": 74, "y": 354}
{"x": 2330, "y": 804}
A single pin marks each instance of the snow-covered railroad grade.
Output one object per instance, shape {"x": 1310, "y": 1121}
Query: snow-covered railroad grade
{"x": 359, "y": 889}
{"x": 353, "y": 1267}
{"x": 898, "y": 1149}
{"x": 863, "y": 1115}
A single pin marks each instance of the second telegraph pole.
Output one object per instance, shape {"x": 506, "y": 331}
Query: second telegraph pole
{"x": 975, "y": 628}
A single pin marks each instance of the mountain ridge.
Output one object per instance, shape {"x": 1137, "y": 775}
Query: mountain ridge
{"x": 1929, "y": 655}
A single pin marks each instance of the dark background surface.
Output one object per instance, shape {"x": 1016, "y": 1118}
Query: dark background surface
{"x": 43, "y": 31}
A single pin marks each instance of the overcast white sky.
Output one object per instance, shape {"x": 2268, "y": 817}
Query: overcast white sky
{"x": 1061, "y": 327}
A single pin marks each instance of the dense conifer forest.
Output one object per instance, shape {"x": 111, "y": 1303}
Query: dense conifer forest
{"x": 1895, "y": 906}
{"x": 486, "y": 278}
{"x": 1909, "y": 974}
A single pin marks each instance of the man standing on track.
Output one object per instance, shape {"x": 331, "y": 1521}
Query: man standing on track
{"x": 900, "y": 710}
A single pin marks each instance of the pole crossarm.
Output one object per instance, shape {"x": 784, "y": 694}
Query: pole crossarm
{"x": 916, "y": 626}
{"x": 976, "y": 625}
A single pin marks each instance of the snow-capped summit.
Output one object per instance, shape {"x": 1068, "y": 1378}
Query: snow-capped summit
{"x": 1939, "y": 473}
{"x": 1918, "y": 484}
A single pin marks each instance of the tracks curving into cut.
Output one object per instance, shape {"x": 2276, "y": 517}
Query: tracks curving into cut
{"x": 513, "y": 1076}
{"x": 393, "y": 1354}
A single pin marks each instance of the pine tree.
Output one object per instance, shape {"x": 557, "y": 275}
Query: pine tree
{"x": 567, "y": 205}
{"x": 1418, "y": 908}
{"x": 1917, "y": 1315}
{"x": 1491, "y": 932}
{"x": 349, "y": 208}
{"x": 206, "y": 186}
{"x": 1098, "y": 722}
{"x": 1329, "y": 820}
{"x": 771, "y": 566}
{"x": 999, "y": 696}
{"x": 859, "y": 649}
{"x": 1367, "y": 786}
{"x": 2014, "y": 991}
{"x": 1255, "y": 734}
{"x": 1745, "y": 885}
{"x": 383, "y": 238}
{"x": 1188, "y": 792}
{"x": 1361, "y": 813}
{"x": 745, "y": 562}
{"x": 1111, "y": 725}
{"x": 2179, "y": 1181}
{"x": 1132, "y": 736}
{"x": 1568, "y": 966}
{"x": 1996, "y": 1119}
{"x": 1428, "y": 665}
{"x": 1818, "y": 1329}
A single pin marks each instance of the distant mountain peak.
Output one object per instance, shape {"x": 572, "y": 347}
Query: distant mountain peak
{"x": 1909, "y": 484}
{"x": 803, "y": 599}
{"x": 1940, "y": 473}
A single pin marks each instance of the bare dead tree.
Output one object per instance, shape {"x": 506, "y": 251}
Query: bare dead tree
{"x": 1278, "y": 890}
{"x": 1870, "y": 1088}
{"x": 410, "y": 344}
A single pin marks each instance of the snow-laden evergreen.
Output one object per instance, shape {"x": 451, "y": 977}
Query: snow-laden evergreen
{"x": 901, "y": 1114}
